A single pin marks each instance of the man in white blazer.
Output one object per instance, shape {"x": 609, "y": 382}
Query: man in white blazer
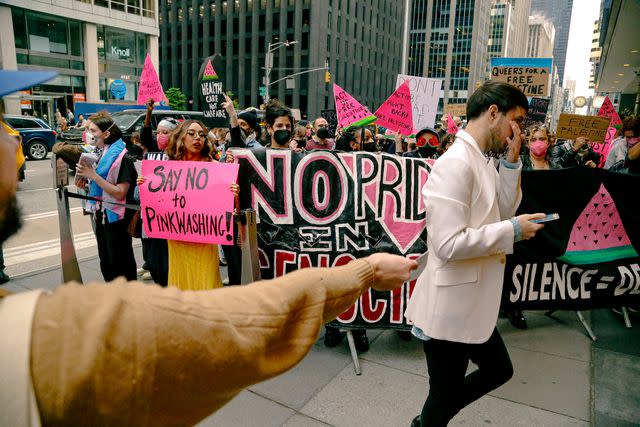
{"x": 470, "y": 204}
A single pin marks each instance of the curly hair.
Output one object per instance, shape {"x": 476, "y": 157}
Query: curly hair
{"x": 176, "y": 149}
{"x": 535, "y": 128}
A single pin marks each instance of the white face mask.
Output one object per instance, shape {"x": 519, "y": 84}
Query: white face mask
{"x": 91, "y": 139}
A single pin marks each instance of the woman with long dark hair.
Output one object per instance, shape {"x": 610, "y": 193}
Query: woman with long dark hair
{"x": 113, "y": 182}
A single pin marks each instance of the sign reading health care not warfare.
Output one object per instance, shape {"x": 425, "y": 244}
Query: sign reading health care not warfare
{"x": 425, "y": 94}
{"x": 212, "y": 92}
{"x": 350, "y": 112}
{"x": 150, "y": 86}
{"x": 188, "y": 201}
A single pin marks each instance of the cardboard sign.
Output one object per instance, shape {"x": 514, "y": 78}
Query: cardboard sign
{"x": 531, "y": 81}
{"x": 571, "y": 126}
{"x": 188, "y": 201}
{"x": 350, "y": 112}
{"x": 150, "y": 86}
{"x": 425, "y": 94}
{"x": 537, "y": 113}
{"x": 607, "y": 110}
{"x": 396, "y": 112}
{"x": 452, "y": 128}
{"x": 459, "y": 110}
{"x": 211, "y": 92}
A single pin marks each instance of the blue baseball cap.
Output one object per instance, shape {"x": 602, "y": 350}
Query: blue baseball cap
{"x": 13, "y": 81}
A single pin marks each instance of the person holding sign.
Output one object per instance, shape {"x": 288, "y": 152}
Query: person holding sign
{"x": 470, "y": 227}
{"x": 193, "y": 266}
{"x": 279, "y": 124}
{"x": 133, "y": 354}
{"x": 113, "y": 181}
{"x": 578, "y": 152}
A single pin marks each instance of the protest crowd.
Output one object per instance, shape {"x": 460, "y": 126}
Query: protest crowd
{"x": 110, "y": 172}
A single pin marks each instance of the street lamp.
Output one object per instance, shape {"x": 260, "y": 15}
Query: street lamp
{"x": 268, "y": 63}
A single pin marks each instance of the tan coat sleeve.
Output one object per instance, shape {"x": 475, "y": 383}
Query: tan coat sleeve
{"x": 134, "y": 354}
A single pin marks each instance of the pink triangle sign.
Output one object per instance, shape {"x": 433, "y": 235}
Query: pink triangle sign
{"x": 150, "y": 86}
{"x": 452, "y": 128}
{"x": 607, "y": 110}
{"x": 349, "y": 111}
{"x": 396, "y": 112}
{"x": 209, "y": 73}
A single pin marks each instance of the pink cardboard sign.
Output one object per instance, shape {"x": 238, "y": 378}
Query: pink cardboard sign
{"x": 349, "y": 111}
{"x": 452, "y": 128}
{"x": 188, "y": 201}
{"x": 607, "y": 110}
{"x": 603, "y": 148}
{"x": 396, "y": 112}
{"x": 150, "y": 86}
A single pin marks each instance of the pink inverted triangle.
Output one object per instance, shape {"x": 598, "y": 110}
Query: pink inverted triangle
{"x": 349, "y": 111}
{"x": 452, "y": 128}
{"x": 607, "y": 110}
{"x": 396, "y": 113}
{"x": 150, "y": 86}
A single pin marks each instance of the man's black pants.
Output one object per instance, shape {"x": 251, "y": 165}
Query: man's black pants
{"x": 449, "y": 389}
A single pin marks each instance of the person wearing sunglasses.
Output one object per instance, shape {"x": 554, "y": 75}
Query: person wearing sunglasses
{"x": 193, "y": 266}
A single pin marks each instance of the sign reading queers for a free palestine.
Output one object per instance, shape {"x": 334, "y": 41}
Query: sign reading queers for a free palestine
{"x": 188, "y": 201}
{"x": 211, "y": 92}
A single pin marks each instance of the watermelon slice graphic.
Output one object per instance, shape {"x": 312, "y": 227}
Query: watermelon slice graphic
{"x": 598, "y": 234}
{"x": 209, "y": 72}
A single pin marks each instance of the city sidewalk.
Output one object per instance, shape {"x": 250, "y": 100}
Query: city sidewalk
{"x": 560, "y": 378}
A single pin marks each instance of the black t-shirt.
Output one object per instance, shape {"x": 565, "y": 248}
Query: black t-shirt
{"x": 128, "y": 174}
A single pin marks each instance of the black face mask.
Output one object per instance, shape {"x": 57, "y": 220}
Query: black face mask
{"x": 282, "y": 137}
{"x": 324, "y": 133}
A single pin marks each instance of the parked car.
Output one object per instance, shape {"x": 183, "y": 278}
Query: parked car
{"x": 37, "y": 135}
{"x": 130, "y": 121}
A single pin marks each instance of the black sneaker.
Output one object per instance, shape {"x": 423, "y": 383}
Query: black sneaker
{"x": 4, "y": 277}
{"x": 332, "y": 336}
{"x": 517, "y": 319}
{"x": 361, "y": 340}
{"x": 417, "y": 421}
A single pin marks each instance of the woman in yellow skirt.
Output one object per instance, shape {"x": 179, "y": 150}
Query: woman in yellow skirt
{"x": 193, "y": 266}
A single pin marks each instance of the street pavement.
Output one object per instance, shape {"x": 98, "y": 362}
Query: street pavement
{"x": 561, "y": 378}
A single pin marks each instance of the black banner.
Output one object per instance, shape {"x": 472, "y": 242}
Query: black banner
{"x": 537, "y": 113}
{"x": 211, "y": 92}
{"x": 326, "y": 208}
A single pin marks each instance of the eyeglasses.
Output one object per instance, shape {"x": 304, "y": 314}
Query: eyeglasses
{"x": 192, "y": 133}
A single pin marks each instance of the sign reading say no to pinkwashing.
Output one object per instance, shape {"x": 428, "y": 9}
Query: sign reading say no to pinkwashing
{"x": 188, "y": 201}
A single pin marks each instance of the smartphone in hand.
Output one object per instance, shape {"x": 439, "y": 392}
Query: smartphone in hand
{"x": 547, "y": 218}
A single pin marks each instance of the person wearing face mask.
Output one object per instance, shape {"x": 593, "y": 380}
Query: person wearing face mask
{"x": 578, "y": 152}
{"x": 299, "y": 141}
{"x": 539, "y": 144}
{"x": 280, "y": 124}
{"x": 624, "y": 152}
{"x": 243, "y": 128}
{"x": 164, "y": 129}
{"x": 113, "y": 181}
{"x": 322, "y": 139}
